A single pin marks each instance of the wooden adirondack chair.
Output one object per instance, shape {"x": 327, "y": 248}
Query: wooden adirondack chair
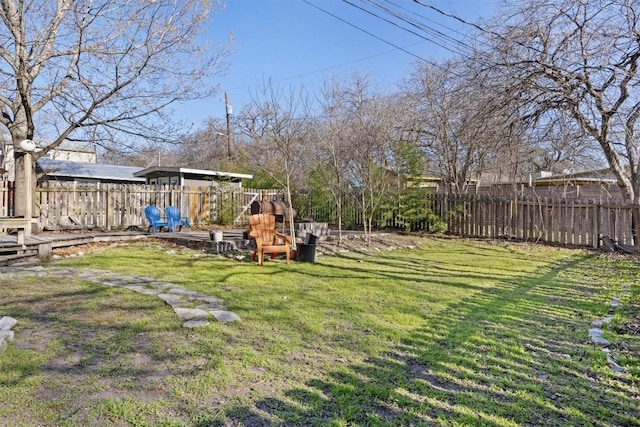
{"x": 175, "y": 220}
{"x": 268, "y": 240}
{"x": 153, "y": 216}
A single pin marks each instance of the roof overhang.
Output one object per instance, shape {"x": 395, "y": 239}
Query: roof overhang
{"x": 206, "y": 175}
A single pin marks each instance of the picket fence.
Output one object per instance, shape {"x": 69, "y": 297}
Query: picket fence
{"x": 114, "y": 206}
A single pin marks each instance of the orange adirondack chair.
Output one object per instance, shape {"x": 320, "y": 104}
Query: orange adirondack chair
{"x": 268, "y": 240}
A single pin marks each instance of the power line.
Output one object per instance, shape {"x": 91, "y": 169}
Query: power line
{"x": 365, "y": 31}
{"x": 419, "y": 22}
{"x": 447, "y": 39}
{"x": 478, "y": 27}
{"x": 405, "y": 20}
{"x": 327, "y": 68}
{"x": 395, "y": 46}
{"x": 401, "y": 14}
{"x": 412, "y": 22}
{"x": 401, "y": 17}
{"x": 451, "y": 15}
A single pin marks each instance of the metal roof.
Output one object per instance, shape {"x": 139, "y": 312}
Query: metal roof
{"x": 97, "y": 171}
{"x": 196, "y": 173}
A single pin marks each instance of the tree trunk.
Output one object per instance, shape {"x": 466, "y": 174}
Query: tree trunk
{"x": 24, "y": 184}
{"x": 339, "y": 214}
{"x": 292, "y": 228}
{"x": 635, "y": 224}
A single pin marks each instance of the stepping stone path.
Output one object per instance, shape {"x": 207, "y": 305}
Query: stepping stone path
{"x": 193, "y": 307}
{"x": 6, "y": 334}
{"x": 595, "y": 332}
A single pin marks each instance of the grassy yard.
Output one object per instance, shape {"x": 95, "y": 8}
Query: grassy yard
{"x": 454, "y": 332}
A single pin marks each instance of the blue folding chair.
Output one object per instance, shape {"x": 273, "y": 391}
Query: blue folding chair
{"x": 153, "y": 216}
{"x": 175, "y": 220}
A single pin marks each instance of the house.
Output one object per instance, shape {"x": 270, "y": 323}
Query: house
{"x": 67, "y": 150}
{"x": 598, "y": 185}
{"x": 186, "y": 177}
{"x": 436, "y": 184}
{"x": 74, "y": 151}
{"x": 49, "y": 170}
{"x": 77, "y": 162}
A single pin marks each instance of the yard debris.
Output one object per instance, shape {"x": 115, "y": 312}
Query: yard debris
{"x": 610, "y": 245}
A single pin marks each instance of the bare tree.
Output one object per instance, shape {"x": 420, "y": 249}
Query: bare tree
{"x": 203, "y": 149}
{"x": 332, "y": 146}
{"x": 277, "y": 124}
{"x": 459, "y": 122}
{"x": 106, "y": 70}
{"x": 370, "y": 131}
{"x": 558, "y": 145}
{"x": 578, "y": 60}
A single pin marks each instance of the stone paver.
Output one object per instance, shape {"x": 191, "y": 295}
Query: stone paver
{"x": 225, "y": 316}
{"x": 595, "y": 332}
{"x": 190, "y": 313}
{"x": 6, "y": 323}
{"x": 198, "y": 323}
{"x": 194, "y": 307}
{"x": 6, "y": 334}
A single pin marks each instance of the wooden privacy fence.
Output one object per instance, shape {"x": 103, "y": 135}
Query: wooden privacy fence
{"x": 558, "y": 221}
{"x": 115, "y": 206}
{"x": 564, "y": 222}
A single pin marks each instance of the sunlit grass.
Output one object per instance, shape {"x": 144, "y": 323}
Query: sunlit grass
{"x": 455, "y": 332}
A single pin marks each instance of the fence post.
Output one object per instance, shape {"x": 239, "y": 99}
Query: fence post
{"x": 109, "y": 208}
{"x": 596, "y": 226}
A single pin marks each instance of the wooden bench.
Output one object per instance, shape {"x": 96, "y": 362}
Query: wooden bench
{"x": 19, "y": 223}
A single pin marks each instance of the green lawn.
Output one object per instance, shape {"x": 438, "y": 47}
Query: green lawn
{"x": 455, "y": 332}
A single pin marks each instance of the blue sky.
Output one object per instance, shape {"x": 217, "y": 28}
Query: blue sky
{"x": 295, "y": 44}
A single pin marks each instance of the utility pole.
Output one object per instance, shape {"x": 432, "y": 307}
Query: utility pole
{"x": 229, "y": 112}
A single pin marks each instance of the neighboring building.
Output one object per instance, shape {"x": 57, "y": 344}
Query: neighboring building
{"x": 67, "y": 150}
{"x": 77, "y": 162}
{"x": 160, "y": 175}
{"x": 436, "y": 184}
{"x": 598, "y": 185}
{"x": 49, "y": 170}
{"x": 74, "y": 151}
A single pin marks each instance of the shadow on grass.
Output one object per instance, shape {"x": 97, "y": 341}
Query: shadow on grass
{"x": 71, "y": 331}
{"x": 517, "y": 354}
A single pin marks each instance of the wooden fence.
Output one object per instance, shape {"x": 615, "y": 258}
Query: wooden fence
{"x": 113, "y": 206}
{"x": 564, "y": 222}
{"x": 558, "y": 221}
{"x": 6, "y": 198}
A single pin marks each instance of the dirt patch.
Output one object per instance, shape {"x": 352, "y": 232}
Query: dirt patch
{"x": 351, "y": 242}
{"x": 378, "y": 242}
{"x": 80, "y": 250}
